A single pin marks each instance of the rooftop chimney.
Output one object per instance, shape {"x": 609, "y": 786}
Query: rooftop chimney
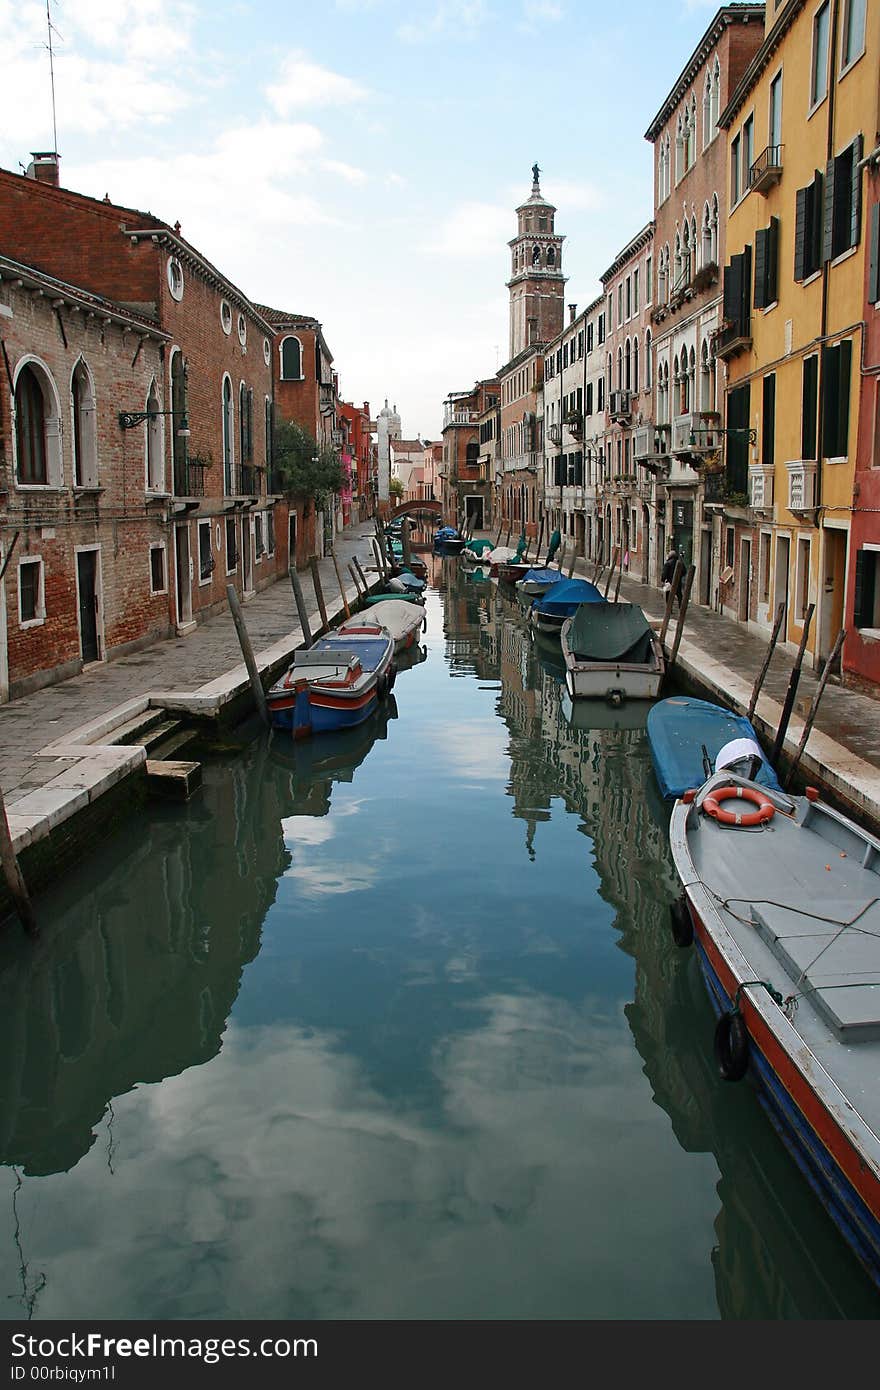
{"x": 572, "y": 310}
{"x": 43, "y": 167}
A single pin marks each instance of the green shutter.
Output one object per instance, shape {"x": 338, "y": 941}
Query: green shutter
{"x": 863, "y": 598}
{"x": 830, "y": 400}
{"x": 856, "y": 197}
{"x": 844, "y": 365}
{"x": 800, "y": 234}
{"x": 771, "y": 292}
{"x": 828, "y": 213}
{"x": 808, "y": 407}
{"x": 768, "y": 422}
{"x": 760, "y": 300}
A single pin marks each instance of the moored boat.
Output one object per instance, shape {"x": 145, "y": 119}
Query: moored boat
{"x": 551, "y": 609}
{"x": 690, "y": 739}
{"x": 781, "y": 895}
{"x": 403, "y": 620}
{"x": 334, "y": 684}
{"x": 475, "y": 551}
{"x": 535, "y": 582}
{"x": 448, "y": 541}
{"x": 611, "y": 652}
{"x": 405, "y": 582}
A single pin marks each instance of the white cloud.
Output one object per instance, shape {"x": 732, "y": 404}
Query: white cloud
{"x": 460, "y": 19}
{"x": 537, "y": 12}
{"x": 304, "y": 83}
{"x": 345, "y": 171}
{"x": 471, "y": 229}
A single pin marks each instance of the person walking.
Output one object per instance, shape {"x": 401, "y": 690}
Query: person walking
{"x": 667, "y": 574}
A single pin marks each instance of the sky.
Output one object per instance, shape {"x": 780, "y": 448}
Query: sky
{"x": 360, "y": 160}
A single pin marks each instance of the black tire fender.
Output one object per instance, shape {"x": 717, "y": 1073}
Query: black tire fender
{"x": 680, "y": 922}
{"x": 732, "y": 1046}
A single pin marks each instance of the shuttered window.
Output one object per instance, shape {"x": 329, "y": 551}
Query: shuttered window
{"x": 768, "y": 422}
{"x": 808, "y": 229}
{"x": 842, "y": 210}
{"x": 766, "y": 256}
{"x": 836, "y": 362}
{"x": 737, "y": 284}
{"x": 738, "y": 439}
{"x": 866, "y": 605}
{"x": 809, "y": 404}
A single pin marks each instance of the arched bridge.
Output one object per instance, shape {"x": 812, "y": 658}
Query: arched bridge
{"x": 427, "y": 505}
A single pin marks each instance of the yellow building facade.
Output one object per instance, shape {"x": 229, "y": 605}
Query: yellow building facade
{"x": 798, "y": 128}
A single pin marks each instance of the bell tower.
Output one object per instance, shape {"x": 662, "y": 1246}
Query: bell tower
{"x": 536, "y": 284}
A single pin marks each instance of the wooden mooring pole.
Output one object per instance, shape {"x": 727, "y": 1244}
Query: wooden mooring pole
{"x": 340, "y": 582}
{"x": 247, "y": 652}
{"x": 682, "y": 610}
{"x": 765, "y": 666}
{"x": 357, "y": 564}
{"x": 792, "y": 690}
{"x": 670, "y": 599}
{"x": 610, "y": 571}
{"x": 13, "y": 876}
{"x": 300, "y": 605}
{"x": 405, "y": 543}
{"x": 357, "y": 583}
{"x": 572, "y": 561}
{"x": 540, "y": 538}
{"x": 319, "y": 592}
{"x": 814, "y": 707}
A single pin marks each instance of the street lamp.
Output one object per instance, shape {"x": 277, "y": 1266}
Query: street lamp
{"x": 130, "y": 419}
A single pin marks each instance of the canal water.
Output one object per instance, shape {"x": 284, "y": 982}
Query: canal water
{"x": 391, "y": 1025}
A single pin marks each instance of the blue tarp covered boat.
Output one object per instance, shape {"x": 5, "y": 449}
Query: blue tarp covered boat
{"x": 535, "y": 582}
{"x": 683, "y": 731}
{"x": 550, "y": 610}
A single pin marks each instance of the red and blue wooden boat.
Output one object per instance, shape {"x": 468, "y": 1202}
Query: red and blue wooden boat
{"x": 334, "y": 684}
{"x": 781, "y": 896}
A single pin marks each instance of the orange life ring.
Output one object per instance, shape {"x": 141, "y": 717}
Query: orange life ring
{"x": 765, "y": 812}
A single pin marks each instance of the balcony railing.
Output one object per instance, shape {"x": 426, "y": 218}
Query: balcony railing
{"x": 554, "y": 434}
{"x": 251, "y": 479}
{"x": 189, "y": 477}
{"x": 619, "y": 405}
{"x": 766, "y": 170}
{"x": 732, "y": 338}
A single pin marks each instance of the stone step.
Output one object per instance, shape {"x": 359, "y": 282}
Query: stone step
{"x": 158, "y": 735}
{"x": 133, "y": 730}
{"x": 179, "y": 736}
{"x": 171, "y": 778}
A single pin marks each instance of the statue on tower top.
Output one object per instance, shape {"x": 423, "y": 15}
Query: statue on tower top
{"x": 535, "y": 173}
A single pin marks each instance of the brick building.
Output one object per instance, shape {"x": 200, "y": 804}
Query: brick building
{"x": 466, "y": 489}
{"x": 209, "y": 478}
{"x": 536, "y": 287}
{"x": 358, "y": 425}
{"x": 85, "y": 550}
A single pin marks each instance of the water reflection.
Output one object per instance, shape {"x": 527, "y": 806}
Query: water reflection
{"x": 465, "y": 1073}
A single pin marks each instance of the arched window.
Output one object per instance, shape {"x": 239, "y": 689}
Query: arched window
{"x": 551, "y": 256}
{"x": 155, "y": 462}
{"x": 228, "y": 411}
{"x": 620, "y": 369}
{"x": 707, "y": 111}
{"x": 472, "y": 454}
{"x": 684, "y": 273}
{"x": 679, "y": 147}
{"x": 706, "y": 402}
{"x": 178, "y": 407}
{"x": 706, "y": 235}
{"x": 85, "y": 439}
{"x": 635, "y": 364}
{"x": 243, "y": 443}
{"x": 676, "y": 274}
{"x": 37, "y": 428}
{"x": 694, "y": 245}
{"x": 715, "y": 228}
{"x": 627, "y": 367}
{"x": 536, "y": 255}
{"x": 291, "y": 359}
{"x": 716, "y": 96}
{"x": 648, "y": 365}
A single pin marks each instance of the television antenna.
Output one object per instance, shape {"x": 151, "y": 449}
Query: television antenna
{"x": 50, "y": 28}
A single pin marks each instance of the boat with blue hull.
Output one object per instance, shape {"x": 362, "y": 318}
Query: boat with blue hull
{"x": 687, "y": 737}
{"x": 336, "y": 683}
{"x": 781, "y": 896}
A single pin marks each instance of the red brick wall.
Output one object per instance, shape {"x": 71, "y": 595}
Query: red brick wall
{"x": 77, "y": 239}
{"x": 52, "y": 522}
